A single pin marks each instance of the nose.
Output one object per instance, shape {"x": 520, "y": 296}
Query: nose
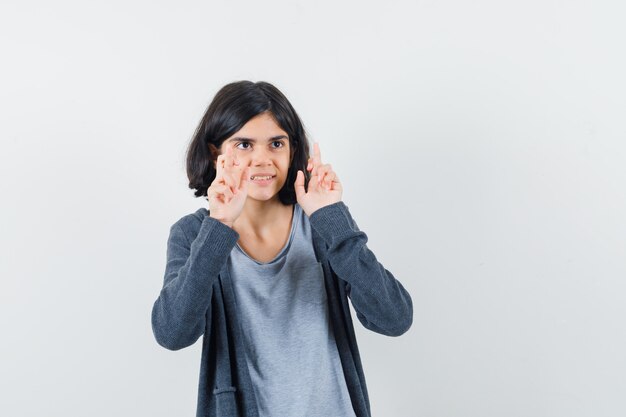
{"x": 261, "y": 156}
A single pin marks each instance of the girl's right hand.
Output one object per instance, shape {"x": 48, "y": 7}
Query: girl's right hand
{"x": 229, "y": 190}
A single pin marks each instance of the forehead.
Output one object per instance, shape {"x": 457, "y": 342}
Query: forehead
{"x": 261, "y": 126}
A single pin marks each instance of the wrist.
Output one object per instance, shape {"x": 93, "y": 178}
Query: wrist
{"x": 225, "y": 222}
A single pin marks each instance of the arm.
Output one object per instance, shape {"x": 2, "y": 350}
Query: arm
{"x": 179, "y": 314}
{"x": 380, "y": 301}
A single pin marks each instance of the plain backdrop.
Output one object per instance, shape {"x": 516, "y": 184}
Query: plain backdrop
{"x": 481, "y": 146}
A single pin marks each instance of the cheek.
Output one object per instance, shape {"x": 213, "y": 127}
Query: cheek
{"x": 242, "y": 158}
{"x": 286, "y": 163}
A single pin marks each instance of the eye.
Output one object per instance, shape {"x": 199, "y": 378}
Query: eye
{"x": 280, "y": 143}
{"x": 242, "y": 143}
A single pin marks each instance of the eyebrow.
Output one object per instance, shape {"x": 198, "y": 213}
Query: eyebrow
{"x": 242, "y": 139}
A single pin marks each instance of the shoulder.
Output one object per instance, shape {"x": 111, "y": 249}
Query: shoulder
{"x": 190, "y": 223}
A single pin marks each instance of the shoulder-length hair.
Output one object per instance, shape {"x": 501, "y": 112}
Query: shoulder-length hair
{"x": 232, "y": 107}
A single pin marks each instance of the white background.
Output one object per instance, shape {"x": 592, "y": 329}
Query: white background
{"x": 481, "y": 145}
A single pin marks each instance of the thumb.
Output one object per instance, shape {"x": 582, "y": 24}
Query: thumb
{"x": 299, "y": 185}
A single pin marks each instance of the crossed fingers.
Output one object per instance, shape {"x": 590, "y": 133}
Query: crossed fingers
{"x": 325, "y": 173}
{"x": 228, "y": 174}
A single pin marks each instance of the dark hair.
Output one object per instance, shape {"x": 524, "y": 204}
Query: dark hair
{"x": 232, "y": 107}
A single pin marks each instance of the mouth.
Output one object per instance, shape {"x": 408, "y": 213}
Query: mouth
{"x": 262, "y": 179}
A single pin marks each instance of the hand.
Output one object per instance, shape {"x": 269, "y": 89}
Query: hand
{"x": 324, "y": 187}
{"x": 228, "y": 192}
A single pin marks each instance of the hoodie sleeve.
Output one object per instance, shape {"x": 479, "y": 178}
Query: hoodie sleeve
{"x": 180, "y": 312}
{"x": 381, "y": 303}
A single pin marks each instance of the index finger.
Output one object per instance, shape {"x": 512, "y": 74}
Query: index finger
{"x": 317, "y": 155}
{"x": 317, "y": 158}
{"x": 228, "y": 157}
{"x": 219, "y": 166}
{"x": 221, "y": 162}
{"x": 231, "y": 168}
{"x": 231, "y": 152}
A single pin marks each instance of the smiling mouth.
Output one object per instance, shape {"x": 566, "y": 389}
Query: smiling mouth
{"x": 262, "y": 178}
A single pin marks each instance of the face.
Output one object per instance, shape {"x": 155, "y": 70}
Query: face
{"x": 264, "y": 146}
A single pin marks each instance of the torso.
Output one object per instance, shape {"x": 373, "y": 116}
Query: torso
{"x": 267, "y": 247}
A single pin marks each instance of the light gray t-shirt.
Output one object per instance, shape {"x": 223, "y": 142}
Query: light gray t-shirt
{"x": 291, "y": 351}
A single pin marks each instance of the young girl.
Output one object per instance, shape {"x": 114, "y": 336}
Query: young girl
{"x": 264, "y": 275}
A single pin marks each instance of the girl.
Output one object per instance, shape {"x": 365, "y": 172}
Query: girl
{"x": 264, "y": 275}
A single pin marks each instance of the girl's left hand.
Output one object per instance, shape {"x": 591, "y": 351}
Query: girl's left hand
{"x": 324, "y": 187}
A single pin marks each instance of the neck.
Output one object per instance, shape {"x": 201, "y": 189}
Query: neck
{"x": 260, "y": 216}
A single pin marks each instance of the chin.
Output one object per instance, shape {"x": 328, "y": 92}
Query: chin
{"x": 262, "y": 196}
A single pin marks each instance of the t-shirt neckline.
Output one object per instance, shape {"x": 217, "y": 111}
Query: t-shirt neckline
{"x": 294, "y": 220}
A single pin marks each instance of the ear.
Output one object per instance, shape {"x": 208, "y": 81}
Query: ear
{"x": 214, "y": 152}
{"x": 292, "y": 152}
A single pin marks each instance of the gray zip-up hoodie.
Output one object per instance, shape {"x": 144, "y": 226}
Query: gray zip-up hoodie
{"x": 198, "y": 299}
